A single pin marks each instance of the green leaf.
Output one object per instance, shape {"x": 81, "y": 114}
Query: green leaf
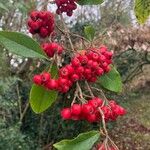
{"x": 54, "y": 71}
{"x": 90, "y": 2}
{"x": 41, "y": 99}
{"x": 89, "y": 32}
{"x": 111, "y": 81}
{"x": 142, "y": 10}
{"x": 2, "y": 6}
{"x": 21, "y": 44}
{"x": 83, "y": 141}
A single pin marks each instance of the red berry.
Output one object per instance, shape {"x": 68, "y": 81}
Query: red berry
{"x": 37, "y": 79}
{"x": 99, "y": 101}
{"x": 70, "y": 69}
{"x": 91, "y": 118}
{"x": 87, "y": 109}
{"x": 76, "y": 109}
{"x": 99, "y": 71}
{"x": 93, "y": 102}
{"x": 74, "y": 78}
{"x": 45, "y": 77}
{"x": 43, "y": 32}
{"x": 63, "y": 72}
{"x": 83, "y": 59}
{"x": 52, "y": 84}
{"x": 75, "y": 62}
{"x": 66, "y": 113}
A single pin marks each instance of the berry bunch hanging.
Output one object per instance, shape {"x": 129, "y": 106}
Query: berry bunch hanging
{"x": 41, "y": 22}
{"x": 52, "y": 48}
{"x": 65, "y": 6}
{"x": 90, "y": 111}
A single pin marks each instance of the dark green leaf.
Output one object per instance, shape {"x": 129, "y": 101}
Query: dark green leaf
{"x": 83, "y": 141}
{"x": 41, "y": 99}
{"x": 111, "y": 81}
{"x": 21, "y": 44}
{"x": 90, "y": 2}
{"x": 142, "y": 10}
{"x": 89, "y": 32}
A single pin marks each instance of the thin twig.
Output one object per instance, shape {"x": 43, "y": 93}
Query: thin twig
{"x": 89, "y": 89}
{"x": 67, "y": 32}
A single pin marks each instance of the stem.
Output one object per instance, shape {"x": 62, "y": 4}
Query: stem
{"x": 80, "y": 96}
{"x": 24, "y": 111}
{"x": 89, "y": 89}
{"x": 75, "y": 96}
{"x": 19, "y": 101}
{"x": 67, "y": 32}
{"x": 103, "y": 122}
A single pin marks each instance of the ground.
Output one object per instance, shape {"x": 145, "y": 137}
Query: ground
{"x": 132, "y": 131}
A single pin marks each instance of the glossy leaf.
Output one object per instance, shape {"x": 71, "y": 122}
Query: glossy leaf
{"x": 142, "y": 10}
{"x": 41, "y": 99}
{"x": 111, "y": 81}
{"x": 89, "y": 32}
{"x": 21, "y": 44}
{"x": 89, "y": 2}
{"x": 83, "y": 141}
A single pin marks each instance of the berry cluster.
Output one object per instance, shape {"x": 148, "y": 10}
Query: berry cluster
{"x": 51, "y": 48}
{"x": 88, "y": 67}
{"x": 66, "y": 6}
{"x": 41, "y": 22}
{"x": 90, "y": 111}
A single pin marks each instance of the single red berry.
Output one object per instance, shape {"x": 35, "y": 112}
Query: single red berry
{"x": 43, "y": 32}
{"x": 74, "y": 78}
{"x": 76, "y": 109}
{"x": 75, "y": 62}
{"x": 79, "y": 70}
{"x": 87, "y": 109}
{"x": 83, "y": 59}
{"x": 99, "y": 101}
{"x": 45, "y": 77}
{"x": 63, "y": 72}
{"x": 99, "y": 71}
{"x": 93, "y": 102}
{"x": 37, "y": 79}
{"x": 66, "y": 113}
{"x": 103, "y": 49}
{"x": 95, "y": 56}
{"x": 62, "y": 82}
{"x": 70, "y": 69}
{"x": 92, "y": 79}
{"x": 52, "y": 84}
{"x": 91, "y": 118}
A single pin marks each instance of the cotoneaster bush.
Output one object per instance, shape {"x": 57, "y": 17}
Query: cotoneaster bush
{"x": 90, "y": 69}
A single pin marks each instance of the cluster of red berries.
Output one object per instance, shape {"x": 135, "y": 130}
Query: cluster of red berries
{"x": 88, "y": 67}
{"x": 41, "y": 22}
{"x": 66, "y": 6}
{"x": 90, "y": 111}
{"x": 51, "y": 48}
